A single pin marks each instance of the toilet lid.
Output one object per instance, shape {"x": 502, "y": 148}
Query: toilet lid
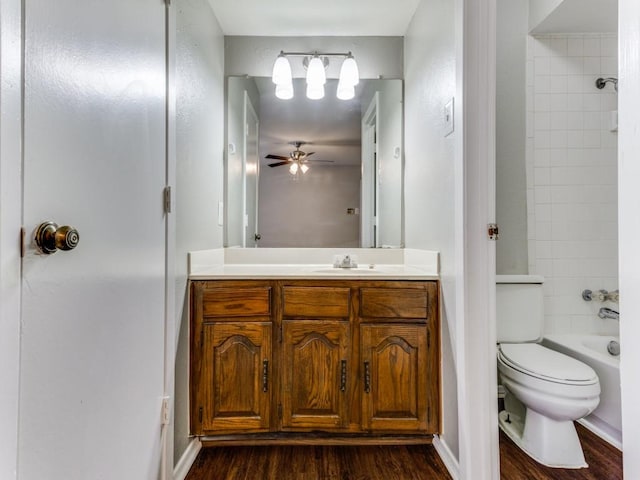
{"x": 541, "y": 362}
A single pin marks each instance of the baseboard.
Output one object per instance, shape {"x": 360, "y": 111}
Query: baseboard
{"x": 183, "y": 466}
{"x": 449, "y": 460}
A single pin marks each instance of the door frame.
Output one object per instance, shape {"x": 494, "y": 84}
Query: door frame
{"x": 249, "y": 111}
{"x": 11, "y": 81}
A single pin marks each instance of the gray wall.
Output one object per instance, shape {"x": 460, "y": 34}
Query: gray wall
{"x": 511, "y": 189}
{"x": 254, "y": 56}
{"x": 199, "y": 131}
{"x": 310, "y": 211}
{"x": 430, "y": 82}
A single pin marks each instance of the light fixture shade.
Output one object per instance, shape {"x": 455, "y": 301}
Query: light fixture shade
{"x": 315, "y": 92}
{"x": 293, "y": 169}
{"x": 315, "y": 72}
{"x": 349, "y": 74}
{"x": 345, "y": 92}
{"x": 304, "y": 168}
{"x": 284, "y": 91}
{"x": 281, "y": 71}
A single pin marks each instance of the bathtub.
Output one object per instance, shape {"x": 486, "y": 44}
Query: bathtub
{"x": 606, "y": 420}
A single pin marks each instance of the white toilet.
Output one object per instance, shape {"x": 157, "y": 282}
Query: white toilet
{"x": 545, "y": 390}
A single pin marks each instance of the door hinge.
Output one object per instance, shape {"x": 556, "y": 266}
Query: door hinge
{"x": 23, "y": 234}
{"x": 166, "y": 411}
{"x": 200, "y": 414}
{"x": 167, "y": 199}
{"x": 280, "y": 411}
{"x": 493, "y": 231}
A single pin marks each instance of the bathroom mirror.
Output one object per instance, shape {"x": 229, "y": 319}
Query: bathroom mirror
{"x": 345, "y": 189}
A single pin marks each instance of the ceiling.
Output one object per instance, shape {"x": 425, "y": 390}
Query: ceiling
{"x": 305, "y": 17}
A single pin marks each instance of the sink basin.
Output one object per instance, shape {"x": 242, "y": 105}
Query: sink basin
{"x": 347, "y": 271}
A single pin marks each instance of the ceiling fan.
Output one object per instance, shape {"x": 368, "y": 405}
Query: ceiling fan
{"x": 296, "y": 159}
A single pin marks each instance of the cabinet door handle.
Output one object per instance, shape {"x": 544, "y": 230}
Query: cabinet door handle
{"x": 265, "y": 375}
{"x": 367, "y": 378}
{"x": 343, "y": 375}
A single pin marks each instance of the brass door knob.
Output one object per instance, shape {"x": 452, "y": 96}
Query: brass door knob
{"x": 50, "y": 238}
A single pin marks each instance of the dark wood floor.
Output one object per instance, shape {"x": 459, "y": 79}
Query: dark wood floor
{"x": 605, "y": 461}
{"x": 419, "y": 462}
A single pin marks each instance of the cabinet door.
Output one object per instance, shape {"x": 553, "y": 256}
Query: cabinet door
{"x": 394, "y": 377}
{"x": 236, "y": 371}
{"x": 315, "y": 356}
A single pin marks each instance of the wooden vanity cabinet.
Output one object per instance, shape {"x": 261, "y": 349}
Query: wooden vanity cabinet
{"x": 231, "y": 358}
{"x": 287, "y": 357}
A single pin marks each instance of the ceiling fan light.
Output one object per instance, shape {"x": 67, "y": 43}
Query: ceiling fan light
{"x": 345, "y": 92}
{"x": 293, "y": 169}
{"x": 284, "y": 91}
{"x": 281, "y": 71}
{"x": 304, "y": 168}
{"x": 315, "y": 72}
{"x": 315, "y": 92}
{"x": 349, "y": 74}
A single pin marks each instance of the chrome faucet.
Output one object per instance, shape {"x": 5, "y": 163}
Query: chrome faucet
{"x": 606, "y": 312}
{"x": 345, "y": 262}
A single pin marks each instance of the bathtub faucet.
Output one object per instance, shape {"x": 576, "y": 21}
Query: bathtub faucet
{"x": 606, "y": 312}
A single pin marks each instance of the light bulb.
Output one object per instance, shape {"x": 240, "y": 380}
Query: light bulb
{"x": 315, "y": 92}
{"x": 315, "y": 72}
{"x": 304, "y": 168}
{"x": 349, "y": 74}
{"x": 293, "y": 169}
{"x": 345, "y": 92}
{"x": 284, "y": 91}
{"x": 281, "y": 71}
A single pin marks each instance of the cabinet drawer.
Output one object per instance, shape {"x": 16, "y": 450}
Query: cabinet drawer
{"x": 237, "y": 302}
{"x": 316, "y": 302}
{"x": 393, "y": 303}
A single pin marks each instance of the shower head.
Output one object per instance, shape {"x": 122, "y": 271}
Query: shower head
{"x": 601, "y": 82}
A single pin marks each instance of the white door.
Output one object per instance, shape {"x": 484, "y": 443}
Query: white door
{"x": 251, "y": 172}
{"x": 92, "y": 347}
{"x": 369, "y": 177}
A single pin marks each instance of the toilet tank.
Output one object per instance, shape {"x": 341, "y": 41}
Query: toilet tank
{"x": 519, "y": 308}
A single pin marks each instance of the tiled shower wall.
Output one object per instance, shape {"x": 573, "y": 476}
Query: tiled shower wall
{"x": 572, "y": 176}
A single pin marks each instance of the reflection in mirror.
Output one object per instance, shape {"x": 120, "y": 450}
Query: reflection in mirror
{"x": 313, "y": 173}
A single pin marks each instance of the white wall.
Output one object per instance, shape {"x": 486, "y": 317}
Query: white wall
{"x": 430, "y": 172}
{"x": 629, "y": 205}
{"x": 511, "y": 198}
{"x": 199, "y": 169}
{"x": 572, "y": 176}
{"x": 310, "y": 211}
{"x": 10, "y": 223}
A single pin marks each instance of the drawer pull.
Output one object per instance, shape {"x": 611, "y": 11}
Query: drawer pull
{"x": 343, "y": 375}
{"x": 367, "y": 378}
{"x": 265, "y": 375}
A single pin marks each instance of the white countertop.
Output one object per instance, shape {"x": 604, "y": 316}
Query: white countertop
{"x": 312, "y": 263}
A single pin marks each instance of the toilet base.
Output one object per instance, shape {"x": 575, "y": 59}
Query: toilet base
{"x": 549, "y": 442}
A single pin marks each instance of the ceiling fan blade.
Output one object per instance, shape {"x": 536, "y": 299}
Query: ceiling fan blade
{"x": 278, "y": 164}
{"x": 318, "y": 161}
{"x": 307, "y": 154}
{"x": 277, "y": 157}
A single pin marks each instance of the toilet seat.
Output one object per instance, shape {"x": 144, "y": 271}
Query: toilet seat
{"x": 545, "y": 364}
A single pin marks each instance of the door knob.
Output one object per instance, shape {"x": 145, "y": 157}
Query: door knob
{"x": 50, "y": 238}
{"x": 257, "y": 237}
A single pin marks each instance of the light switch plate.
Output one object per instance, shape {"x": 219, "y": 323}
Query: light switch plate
{"x": 448, "y": 118}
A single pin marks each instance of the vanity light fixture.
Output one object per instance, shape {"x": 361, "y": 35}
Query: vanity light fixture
{"x": 316, "y": 64}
